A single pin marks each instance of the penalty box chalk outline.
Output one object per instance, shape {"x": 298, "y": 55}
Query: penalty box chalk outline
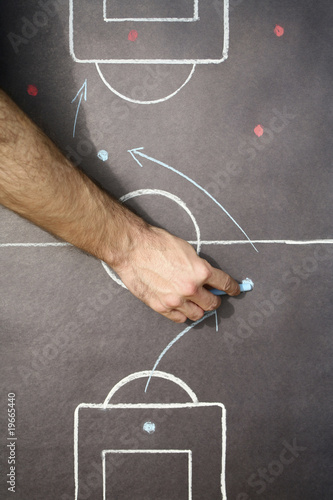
{"x": 224, "y": 56}
{"x": 155, "y": 19}
{"x": 103, "y": 406}
{"x": 149, "y": 451}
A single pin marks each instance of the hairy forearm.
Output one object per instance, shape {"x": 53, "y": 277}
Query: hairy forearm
{"x": 40, "y": 184}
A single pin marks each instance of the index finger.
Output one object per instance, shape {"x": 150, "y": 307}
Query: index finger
{"x": 222, "y": 281}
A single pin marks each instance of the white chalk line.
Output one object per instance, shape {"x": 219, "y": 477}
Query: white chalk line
{"x": 138, "y": 101}
{"x": 123, "y": 382}
{"x": 194, "y": 61}
{"x": 264, "y": 242}
{"x": 162, "y": 406}
{"x": 149, "y": 374}
{"x": 49, "y": 244}
{"x": 155, "y": 19}
{"x": 152, "y": 61}
{"x": 152, "y": 19}
{"x": 192, "y": 242}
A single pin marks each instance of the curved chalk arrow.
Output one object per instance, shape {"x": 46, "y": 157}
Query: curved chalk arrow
{"x": 180, "y": 335}
{"x": 138, "y": 151}
{"x": 83, "y": 93}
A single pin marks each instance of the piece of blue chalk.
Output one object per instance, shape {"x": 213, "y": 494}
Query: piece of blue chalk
{"x": 245, "y": 286}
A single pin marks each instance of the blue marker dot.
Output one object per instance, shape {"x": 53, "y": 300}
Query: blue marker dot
{"x": 103, "y": 155}
{"x": 149, "y": 427}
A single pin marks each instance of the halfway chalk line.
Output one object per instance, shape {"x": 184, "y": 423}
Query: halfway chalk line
{"x": 202, "y": 242}
{"x": 50, "y": 244}
{"x": 265, "y": 242}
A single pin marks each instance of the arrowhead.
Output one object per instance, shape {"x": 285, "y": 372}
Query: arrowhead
{"x": 132, "y": 153}
{"x": 83, "y": 89}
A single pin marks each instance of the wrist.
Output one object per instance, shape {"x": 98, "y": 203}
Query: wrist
{"x": 126, "y": 234}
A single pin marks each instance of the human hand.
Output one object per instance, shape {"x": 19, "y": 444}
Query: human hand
{"x": 166, "y": 274}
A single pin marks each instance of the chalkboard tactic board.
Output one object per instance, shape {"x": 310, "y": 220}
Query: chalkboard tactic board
{"x": 213, "y": 120}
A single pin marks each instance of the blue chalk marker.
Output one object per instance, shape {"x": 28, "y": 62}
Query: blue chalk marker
{"x": 246, "y": 286}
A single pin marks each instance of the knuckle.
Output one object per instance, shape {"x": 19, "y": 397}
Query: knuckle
{"x": 159, "y": 307}
{"x": 176, "y": 316}
{"x": 206, "y": 271}
{"x": 173, "y": 302}
{"x": 190, "y": 289}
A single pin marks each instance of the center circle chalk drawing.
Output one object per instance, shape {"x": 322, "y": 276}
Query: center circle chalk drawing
{"x": 105, "y": 32}
{"x": 166, "y": 194}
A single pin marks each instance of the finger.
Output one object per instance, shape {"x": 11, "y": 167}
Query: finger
{"x": 221, "y": 280}
{"x": 176, "y": 316}
{"x": 206, "y": 300}
{"x": 191, "y": 310}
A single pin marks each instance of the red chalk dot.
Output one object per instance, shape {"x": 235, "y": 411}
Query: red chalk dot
{"x": 132, "y": 35}
{"x": 258, "y": 130}
{"x": 32, "y": 90}
{"x": 278, "y": 30}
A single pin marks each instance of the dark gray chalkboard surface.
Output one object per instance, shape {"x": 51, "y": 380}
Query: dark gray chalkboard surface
{"x": 234, "y": 117}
